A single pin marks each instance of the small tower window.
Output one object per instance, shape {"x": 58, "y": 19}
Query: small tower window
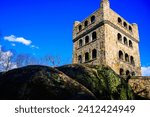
{"x": 130, "y": 44}
{"x": 130, "y": 28}
{"x": 79, "y": 59}
{"x": 126, "y": 57}
{"x": 94, "y": 36}
{"x": 87, "y": 58}
{"x": 125, "y": 24}
{"x": 86, "y": 23}
{"x": 120, "y": 55}
{"x": 119, "y": 21}
{"x": 127, "y": 72}
{"x": 121, "y": 72}
{"x": 80, "y": 27}
{"x": 86, "y": 39}
{"x": 132, "y": 60}
{"x": 94, "y": 54}
{"x": 80, "y": 43}
{"x": 93, "y": 19}
{"x": 119, "y": 37}
{"x": 133, "y": 74}
{"x": 125, "y": 41}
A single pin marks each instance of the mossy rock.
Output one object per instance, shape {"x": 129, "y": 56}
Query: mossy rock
{"x": 41, "y": 83}
{"x": 102, "y": 81}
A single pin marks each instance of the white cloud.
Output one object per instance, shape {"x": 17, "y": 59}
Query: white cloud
{"x": 22, "y": 40}
{"x": 13, "y": 44}
{"x": 146, "y": 71}
{"x": 33, "y": 46}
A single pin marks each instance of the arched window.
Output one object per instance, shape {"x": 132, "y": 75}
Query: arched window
{"x": 130, "y": 28}
{"x": 126, "y": 57}
{"x": 132, "y": 60}
{"x": 94, "y": 54}
{"x": 130, "y": 43}
{"x": 120, "y": 55}
{"x": 80, "y": 43}
{"x": 94, "y": 36}
{"x": 125, "y": 41}
{"x": 127, "y": 72}
{"x": 79, "y": 59}
{"x": 119, "y": 37}
{"x": 125, "y": 24}
{"x": 87, "y": 58}
{"x": 133, "y": 74}
{"x": 86, "y": 23}
{"x": 119, "y": 21}
{"x": 93, "y": 19}
{"x": 121, "y": 72}
{"x": 80, "y": 27}
{"x": 86, "y": 39}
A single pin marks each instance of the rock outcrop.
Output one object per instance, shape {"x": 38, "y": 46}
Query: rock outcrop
{"x": 40, "y": 83}
{"x": 69, "y": 82}
{"x": 102, "y": 81}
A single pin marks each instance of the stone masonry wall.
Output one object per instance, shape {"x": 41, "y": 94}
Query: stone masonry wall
{"x": 141, "y": 86}
{"x": 113, "y": 46}
{"x": 97, "y": 14}
{"x": 98, "y": 44}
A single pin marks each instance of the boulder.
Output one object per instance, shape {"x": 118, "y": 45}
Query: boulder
{"x": 102, "y": 81}
{"x": 41, "y": 83}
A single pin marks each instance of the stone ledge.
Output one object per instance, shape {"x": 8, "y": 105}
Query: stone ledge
{"x": 141, "y": 77}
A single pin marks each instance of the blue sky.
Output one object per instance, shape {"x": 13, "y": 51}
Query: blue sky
{"x": 48, "y": 24}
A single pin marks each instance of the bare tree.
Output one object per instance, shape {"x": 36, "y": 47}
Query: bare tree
{"x": 26, "y": 59}
{"x": 53, "y": 61}
{"x": 6, "y": 60}
{"x": 0, "y": 53}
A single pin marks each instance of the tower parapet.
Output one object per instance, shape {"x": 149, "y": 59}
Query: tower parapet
{"x": 136, "y": 31}
{"x": 105, "y": 4}
{"x": 76, "y": 23}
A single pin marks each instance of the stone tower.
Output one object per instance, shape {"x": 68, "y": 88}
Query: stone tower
{"x": 107, "y": 38}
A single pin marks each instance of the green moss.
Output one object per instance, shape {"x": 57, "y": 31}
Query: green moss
{"x": 101, "y": 80}
{"x": 123, "y": 94}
